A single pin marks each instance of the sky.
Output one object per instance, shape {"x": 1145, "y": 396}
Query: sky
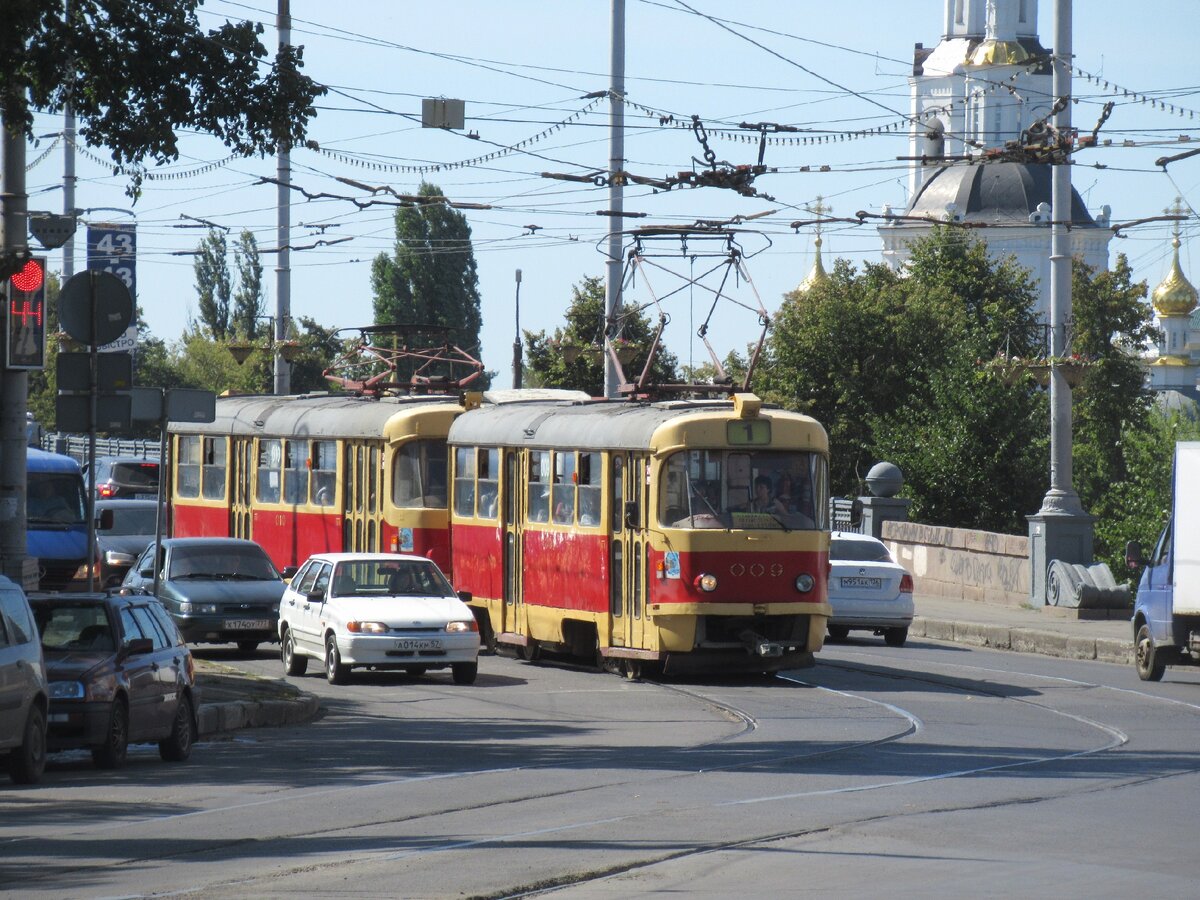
{"x": 524, "y": 68}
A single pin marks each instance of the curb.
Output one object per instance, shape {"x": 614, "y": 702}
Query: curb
{"x": 1023, "y": 640}
{"x": 214, "y": 718}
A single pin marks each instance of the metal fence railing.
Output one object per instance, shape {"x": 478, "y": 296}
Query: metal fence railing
{"x": 843, "y": 516}
{"x": 76, "y": 446}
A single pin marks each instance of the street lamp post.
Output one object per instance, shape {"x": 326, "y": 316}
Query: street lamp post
{"x": 517, "y": 338}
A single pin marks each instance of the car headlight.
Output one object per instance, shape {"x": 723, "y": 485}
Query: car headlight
{"x": 66, "y": 690}
{"x": 367, "y": 628}
{"x": 460, "y": 627}
{"x": 187, "y": 608}
{"x": 804, "y": 583}
{"x": 706, "y": 582}
{"x": 115, "y": 558}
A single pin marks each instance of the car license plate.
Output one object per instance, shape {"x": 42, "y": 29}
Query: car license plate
{"x": 422, "y": 644}
{"x": 247, "y": 625}
{"x": 859, "y": 582}
{"x": 145, "y": 496}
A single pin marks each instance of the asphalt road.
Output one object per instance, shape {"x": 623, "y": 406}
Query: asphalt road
{"x": 931, "y": 770}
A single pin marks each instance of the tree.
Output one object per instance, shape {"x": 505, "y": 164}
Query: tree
{"x": 431, "y": 277}
{"x": 547, "y": 361}
{"x": 137, "y": 71}
{"x": 212, "y": 283}
{"x": 248, "y": 298}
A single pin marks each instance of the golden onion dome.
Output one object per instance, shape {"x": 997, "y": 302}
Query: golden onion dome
{"x": 999, "y": 53}
{"x": 817, "y": 275}
{"x": 1175, "y": 296}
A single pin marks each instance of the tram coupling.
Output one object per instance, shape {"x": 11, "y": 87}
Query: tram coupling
{"x": 760, "y": 646}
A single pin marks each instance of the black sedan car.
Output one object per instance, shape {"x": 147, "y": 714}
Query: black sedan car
{"x": 218, "y": 590}
{"x": 118, "y": 673}
{"x": 123, "y": 536}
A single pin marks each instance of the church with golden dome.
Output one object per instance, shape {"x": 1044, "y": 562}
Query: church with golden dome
{"x": 1175, "y": 301}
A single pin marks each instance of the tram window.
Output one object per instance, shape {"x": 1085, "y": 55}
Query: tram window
{"x": 213, "y": 468}
{"x": 636, "y": 586}
{"x": 539, "y": 486}
{"x": 295, "y": 472}
{"x": 270, "y": 455}
{"x": 419, "y": 475}
{"x": 562, "y": 494}
{"x": 614, "y": 582}
{"x": 488, "y": 474}
{"x": 589, "y": 488}
{"x": 618, "y": 493}
{"x": 373, "y": 474}
{"x": 464, "y": 481}
{"x": 188, "y": 467}
{"x": 324, "y": 472}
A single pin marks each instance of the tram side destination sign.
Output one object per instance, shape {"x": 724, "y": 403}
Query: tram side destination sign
{"x": 112, "y": 247}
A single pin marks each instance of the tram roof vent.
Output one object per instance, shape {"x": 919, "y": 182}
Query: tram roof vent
{"x": 747, "y": 406}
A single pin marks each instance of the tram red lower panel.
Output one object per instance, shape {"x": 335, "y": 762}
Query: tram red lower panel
{"x": 291, "y": 538}
{"x": 199, "y": 521}
{"x": 566, "y": 570}
{"x": 478, "y": 560}
{"x": 742, "y": 577}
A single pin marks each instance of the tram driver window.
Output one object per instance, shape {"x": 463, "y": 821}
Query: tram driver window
{"x": 539, "y": 486}
{"x": 464, "y": 481}
{"x": 188, "y": 466}
{"x": 270, "y": 457}
{"x": 419, "y": 475}
{"x": 488, "y": 474}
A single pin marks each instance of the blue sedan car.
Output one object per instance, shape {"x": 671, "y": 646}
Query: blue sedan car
{"x": 218, "y": 590}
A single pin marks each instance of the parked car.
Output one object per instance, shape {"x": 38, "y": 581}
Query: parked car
{"x": 868, "y": 590}
{"x": 125, "y": 477}
{"x": 218, "y": 590}
{"x": 130, "y": 530}
{"x": 23, "y": 694}
{"x": 379, "y": 611}
{"x": 119, "y": 673}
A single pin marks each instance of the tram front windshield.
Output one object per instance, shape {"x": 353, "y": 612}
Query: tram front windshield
{"x": 760, "y": 489}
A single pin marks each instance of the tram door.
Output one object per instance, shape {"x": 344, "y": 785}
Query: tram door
{"x": 240, "y": 478}
{"x": 628, "y": 550}
{"x": 361, "y": 485}
{"x": 512, "y": 609}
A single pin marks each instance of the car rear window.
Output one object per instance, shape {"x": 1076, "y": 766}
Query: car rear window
{"x": 136, "y": 474}
{"x": 859, "y": 551}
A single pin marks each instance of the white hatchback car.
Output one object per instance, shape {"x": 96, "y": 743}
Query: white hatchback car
{"x": 868, "y": 590}
{"x": 376, "y": 611}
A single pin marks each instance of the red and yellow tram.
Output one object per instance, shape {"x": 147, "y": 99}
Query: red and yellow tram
{"x": 318, "y": 472}
{"x": 682, "y": 534}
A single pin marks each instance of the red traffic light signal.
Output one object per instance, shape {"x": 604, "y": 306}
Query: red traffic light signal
{"x": 25, "y": 311}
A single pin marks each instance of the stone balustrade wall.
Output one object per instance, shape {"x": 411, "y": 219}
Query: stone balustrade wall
{"x": 962, "y": 564}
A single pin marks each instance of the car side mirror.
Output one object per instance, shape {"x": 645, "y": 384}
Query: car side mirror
{"x": 137, "y": 647}
{"x": 289, "y": 571}
{"x": 104, "y": 521}
{"x": 1133, "y": 555}
{"x": 315, "y": 596}
{"x": 631, "y": 514}
{"x": 464, "y": 596}
{"x": 146, "y": 573}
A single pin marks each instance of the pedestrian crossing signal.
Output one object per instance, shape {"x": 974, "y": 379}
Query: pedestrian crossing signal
{"x": 25, "y": 314}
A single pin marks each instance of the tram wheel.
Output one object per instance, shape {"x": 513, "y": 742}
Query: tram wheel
{"x": 532, "y": 651}
{"x": 632, "y": 669}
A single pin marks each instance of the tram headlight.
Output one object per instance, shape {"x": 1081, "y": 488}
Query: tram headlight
{"x": 804, "y": 583}
{"x": 706, "y": 582}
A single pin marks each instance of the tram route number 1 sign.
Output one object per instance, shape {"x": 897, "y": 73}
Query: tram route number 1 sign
{"x": 112, "y": 247}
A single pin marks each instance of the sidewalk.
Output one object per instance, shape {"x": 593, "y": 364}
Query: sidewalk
{"x": 1049, "y": 631}
{"x": 229, "y": 699}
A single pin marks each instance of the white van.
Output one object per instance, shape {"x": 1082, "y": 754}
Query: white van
{"x": 23, "y": 697}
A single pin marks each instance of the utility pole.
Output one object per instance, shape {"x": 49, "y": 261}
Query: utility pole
{"x": 517, "y": 338}
{"x": 616, "y": 199}
{"x": 283, "y": 231}
{"x": 68, "y": 259}
{"x": 1060, "y": 529}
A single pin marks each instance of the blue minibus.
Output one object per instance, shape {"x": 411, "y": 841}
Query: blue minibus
{"x": 56, "y": 531}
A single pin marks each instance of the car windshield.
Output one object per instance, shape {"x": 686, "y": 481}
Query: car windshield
{"x": 54, "y": 497}
{"x": 224, "y": 562}
{"x": 389, "y": 578}
{"x": 75, "y": 626}
{"x": 132, "y": 520}
{"x": 858, "y": 551}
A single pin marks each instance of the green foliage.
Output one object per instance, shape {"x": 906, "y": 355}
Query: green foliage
{"x": 431, "y": 278}
{"x": 212, "y": 284}
{"x": 138, "y": 71}
{"x": 319, "y": 346}
{"x": 546, "y": 363}
{"x": 248, "y": 298}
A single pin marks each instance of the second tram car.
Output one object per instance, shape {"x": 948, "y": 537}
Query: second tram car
{"x": 317, "y": 473}
{"x": 680, "y": 535}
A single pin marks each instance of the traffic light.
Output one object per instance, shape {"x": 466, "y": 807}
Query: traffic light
{"x": 25, "y": 308}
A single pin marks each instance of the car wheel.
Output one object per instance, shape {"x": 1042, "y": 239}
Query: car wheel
{"x": 335, "y": 672}
{"x": 839, "y": 632}
{"x": 895, "y": 637}
{"x": 178, "y": 745}
{"x": 247, "y": 647}
{"x": 27, "y": 762}
{"x": 464, "y": 673}
{"x": 1148, "y": 661}
{"x": 111, "y": 754}
{"x": 293, "y": 663}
